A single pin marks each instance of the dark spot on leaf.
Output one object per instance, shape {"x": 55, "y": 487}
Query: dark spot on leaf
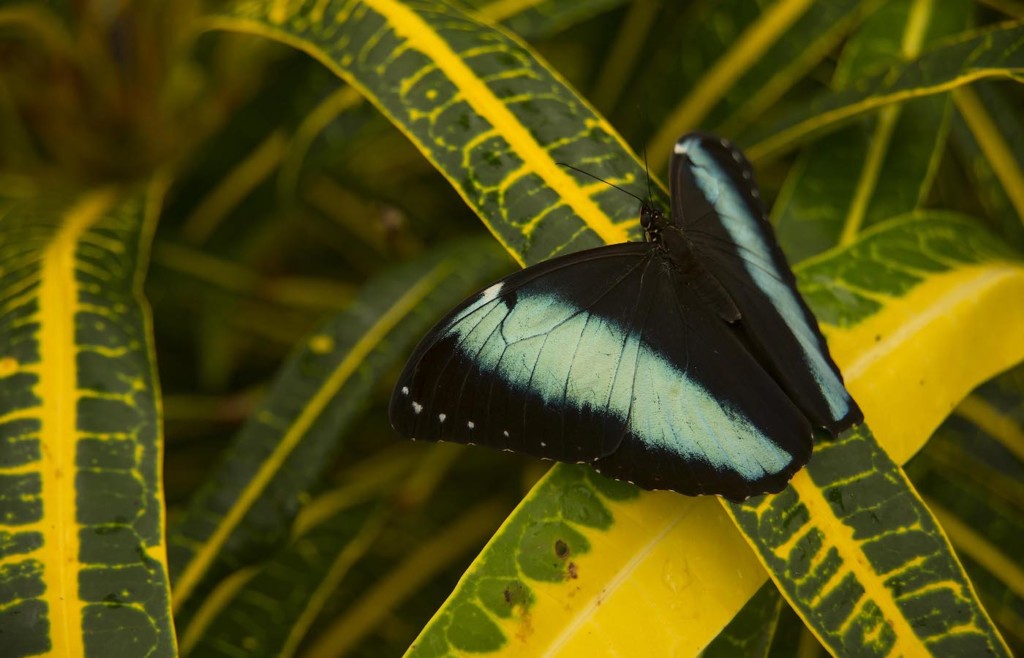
{"x": 492, "y": 158}
{"x": 514, "y": 594}
{"x": 561, "y": 549}
{"x": 571, "y": 570}
{"x": 113, "y": 601}
{"x": 836, "y": 496}
{"x": 878, "y": 337}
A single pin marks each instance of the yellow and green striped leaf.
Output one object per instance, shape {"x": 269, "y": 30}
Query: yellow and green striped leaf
{"x": 863, "y": 561}
{"x": 585, "y": 563}
{"x": 82, "y": 564}
{"x": 883, "y": 165}
{"x": 350, "y": 564}
{"x": 971, "y": 476}
{"x": 991, "y": 52}
{"x": 396, "y": 575}
{"x": 250, "y": 500}
{"x": 267, "y": 608}
{"x": 491, "y": 117}
{"x": 989, "y": 138}
{"x": 805, "y": 45}
{"x": 748, "y": 54}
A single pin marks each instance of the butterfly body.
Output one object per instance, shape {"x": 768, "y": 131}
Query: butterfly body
{"x": 686, "y": 362}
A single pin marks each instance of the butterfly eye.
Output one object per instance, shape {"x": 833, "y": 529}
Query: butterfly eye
{"x": 649, "y": 217}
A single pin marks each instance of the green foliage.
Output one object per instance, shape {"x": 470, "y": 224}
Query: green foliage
{"x": 306, "y": 186}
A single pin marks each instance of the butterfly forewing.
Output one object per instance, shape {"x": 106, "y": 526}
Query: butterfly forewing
{"x": 715, "y": 202}
{"x": 529, "y": 364}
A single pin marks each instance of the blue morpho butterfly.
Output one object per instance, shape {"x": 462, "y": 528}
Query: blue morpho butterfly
{"x": 686, "y": 362}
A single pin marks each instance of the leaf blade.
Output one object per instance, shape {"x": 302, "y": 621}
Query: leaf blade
{"x": 82, "y": 520}
{"x": 498, "y": 142}
{"x": 249, "y": 502}
{"x": 995, "y": 52}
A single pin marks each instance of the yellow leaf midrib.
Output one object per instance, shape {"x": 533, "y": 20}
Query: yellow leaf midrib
{"x": 842, "y": 538}
{"x": 420, "y": 35}
{"x": 58, "y": 390}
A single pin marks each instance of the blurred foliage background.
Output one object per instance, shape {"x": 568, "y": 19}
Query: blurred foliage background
{"x": 288, "y": 193}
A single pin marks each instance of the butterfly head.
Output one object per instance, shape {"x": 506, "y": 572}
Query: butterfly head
{"x": 652, "y": 220}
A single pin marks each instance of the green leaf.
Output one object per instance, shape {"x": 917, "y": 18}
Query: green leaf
{"x": 992, "y": 52}
{"x": 863, "y": 561}
{"x": 450, "y": 541}
{"x": 971, "y": 475}
{"x": 82, "y": 568}
{"x": 268, "y": 613}
{"x": 251, "y": 499}
{"x": 989, "y": 138}
{"x": 491, "y": 117}
{"x": 883, "y": 165}
{"x": 747, "y": 61}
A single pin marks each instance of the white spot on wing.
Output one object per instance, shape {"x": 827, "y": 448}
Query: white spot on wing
{"x": 405, "y": 390}
{"x": 417, "y": 407}
{"x": 441, "y": 417}
{"x": 470, "y": 424}
{"x": 505, "y": 432}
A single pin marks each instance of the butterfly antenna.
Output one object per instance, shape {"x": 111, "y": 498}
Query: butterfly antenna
{"x": 598, "y": 178}
{"x": 647, "y": 171}
{"x": 643, "y": 150}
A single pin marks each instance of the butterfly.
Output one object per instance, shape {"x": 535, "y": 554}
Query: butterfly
{"x": 686, "y": 362}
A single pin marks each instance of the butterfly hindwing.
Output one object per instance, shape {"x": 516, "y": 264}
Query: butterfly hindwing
{"x": 715, "y": 202}
{"x": 706, "y": 417}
